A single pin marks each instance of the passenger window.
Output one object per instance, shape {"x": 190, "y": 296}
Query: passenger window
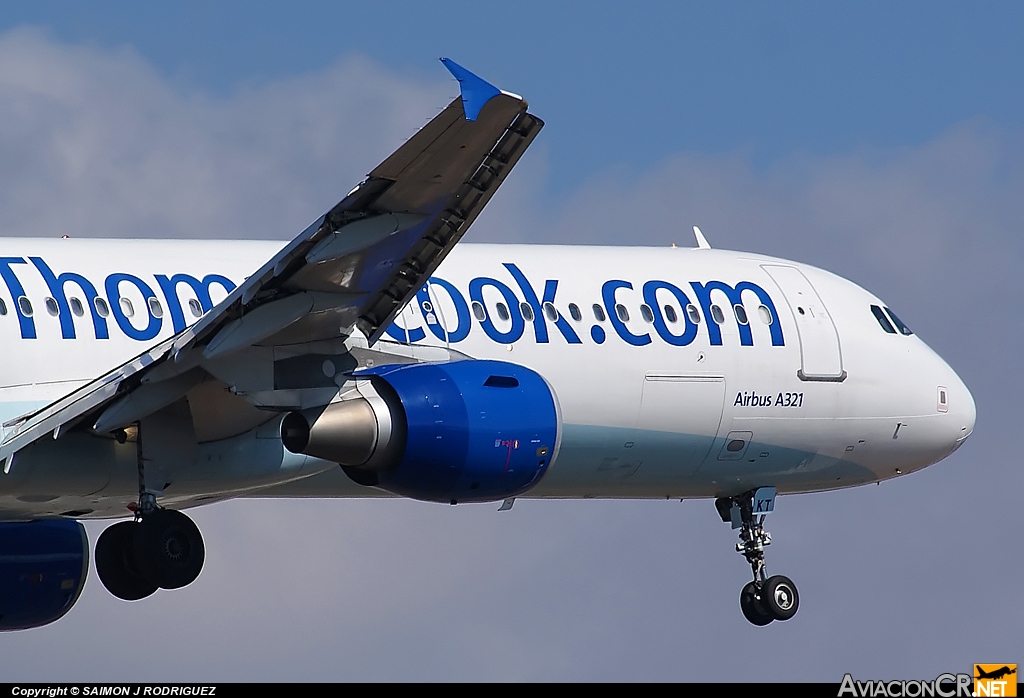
{"x": 25, "y": 305}
{"x": 741, "y": 314}
{"x": 502, "y": 312}
{"x": 717, "y": 314}
{"x": 478, "y": 311}
{"x": 101, "y": 307}
{"x": 193, "y": 305}
{"x": 127, "y": 308}
{"x": 670, "y": 314}
{"x": 3, "y": 307}
{"x": 527, "y": 311}
{"x": 551, "y": 312}
{"x": 882, "y": 319}
{"x": 646, "y": 313}
{"x": 621, "y": 311}
{"x": 51, "y": 307}
{"x": 765, "y": 314}
{"x": 574, "y": 311}
{"x": 155, "y": 308}
{"x": 77, "y": 308}
{"x": 693, "y": 314}
{"x": 899, "y": 323}
{"x": 598, "y": 313}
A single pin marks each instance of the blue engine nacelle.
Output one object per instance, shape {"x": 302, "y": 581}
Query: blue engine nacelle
{"x": 43, "y": 565}
{"x": 465, "y": 431}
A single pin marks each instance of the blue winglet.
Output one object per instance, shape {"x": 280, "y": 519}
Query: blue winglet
{"x": 476, "y": 91}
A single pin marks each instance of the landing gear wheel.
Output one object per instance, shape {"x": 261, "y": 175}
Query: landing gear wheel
{"x": 116, "y": 566}
{"x": 169, "y": 549}
{"x": 751, "y": 606}
{"x": 780, "y": 598}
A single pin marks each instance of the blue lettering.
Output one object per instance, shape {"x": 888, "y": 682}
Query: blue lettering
{"x": 400, "y": 334}
{"x": 450, "y": 329}
{"x": 201, "y": 288}
{"x": 651, "y": 289}
{"x": 476, "y": 287}
{"x": 25, "y": 323}
{"x": 56, "y": 285}
{"x": 735, "y": 296}
{"x": 608, "y": 295}
{"x": 112, "y": 284}
{"x": 540, "y": 326}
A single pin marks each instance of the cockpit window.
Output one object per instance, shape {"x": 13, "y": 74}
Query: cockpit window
{"x": 899, "y": 323}
{"x": 882, "y": 319}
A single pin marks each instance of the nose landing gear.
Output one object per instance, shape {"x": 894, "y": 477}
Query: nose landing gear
{"x": 765, "y": 598}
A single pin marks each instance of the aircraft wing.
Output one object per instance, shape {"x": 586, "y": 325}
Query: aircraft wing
{"x": 353, "y": 268}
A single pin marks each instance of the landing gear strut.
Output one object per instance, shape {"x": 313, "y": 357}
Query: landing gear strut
{"x": 765, "y": 598}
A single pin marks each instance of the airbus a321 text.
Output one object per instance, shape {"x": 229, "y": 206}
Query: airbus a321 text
{"x": 144, "y": 377}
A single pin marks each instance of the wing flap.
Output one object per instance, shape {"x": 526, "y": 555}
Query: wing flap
{"x": 429, "y": 179}
{"x": 434, "y": 186}
{"x": 434, "y": 245}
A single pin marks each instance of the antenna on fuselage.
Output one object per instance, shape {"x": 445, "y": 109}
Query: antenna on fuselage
{"x": 702, "y": 242}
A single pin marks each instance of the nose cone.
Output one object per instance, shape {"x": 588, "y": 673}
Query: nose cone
{"x": 962, "y": 410}
{"x": 941, "y": 414}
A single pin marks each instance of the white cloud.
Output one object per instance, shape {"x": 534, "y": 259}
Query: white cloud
{"x": 96, "y": 143}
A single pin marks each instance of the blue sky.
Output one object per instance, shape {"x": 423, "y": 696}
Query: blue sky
{"x": 620, "y": 84}
{"x": 882, "y": 141}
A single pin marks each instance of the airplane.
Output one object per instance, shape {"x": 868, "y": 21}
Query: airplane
{"x": 374, "y": 356}
{"x": 995, "y": 673}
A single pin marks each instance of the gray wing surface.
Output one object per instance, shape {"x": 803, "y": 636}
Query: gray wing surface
{"x": 352, "y": 269}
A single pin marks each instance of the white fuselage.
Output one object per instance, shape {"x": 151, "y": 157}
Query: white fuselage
{"x": 800, "y": 387}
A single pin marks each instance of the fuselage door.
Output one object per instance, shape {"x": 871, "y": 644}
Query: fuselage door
{"x": 820, "y": 354}
{"x": 678, "y": 423}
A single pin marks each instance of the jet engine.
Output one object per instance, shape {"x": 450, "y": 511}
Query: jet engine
{"x": 43, "y": 565}
{"x": 464, "y": 431}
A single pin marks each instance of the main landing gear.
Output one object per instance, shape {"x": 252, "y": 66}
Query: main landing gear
{"x": 160, "y": 549}
{"x": 765, "y": 598}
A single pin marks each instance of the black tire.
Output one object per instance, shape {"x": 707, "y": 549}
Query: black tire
{"x": 751, "y": 606}
{"x": 115, "y": 563}
{"x": 780, "y": 598}
{"x": 169, "y": 549}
